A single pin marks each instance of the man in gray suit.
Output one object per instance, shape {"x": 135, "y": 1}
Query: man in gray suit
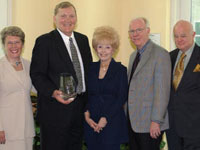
{"x": 149, "y": 89}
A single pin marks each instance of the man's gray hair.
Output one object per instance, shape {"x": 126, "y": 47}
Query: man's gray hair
{"x": 144, "y": 20}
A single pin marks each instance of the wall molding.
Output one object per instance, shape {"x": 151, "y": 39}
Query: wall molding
{"x": 5, "y": 17}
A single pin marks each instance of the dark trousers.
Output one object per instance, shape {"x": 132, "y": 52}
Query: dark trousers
{"x": 66, "y": 135}
{"x": 143, "y": 141}
{"x": 181, "y": 143}
{"x": 60, "y": 138}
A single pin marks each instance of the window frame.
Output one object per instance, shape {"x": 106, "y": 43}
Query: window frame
{"x": 180, "y": 9}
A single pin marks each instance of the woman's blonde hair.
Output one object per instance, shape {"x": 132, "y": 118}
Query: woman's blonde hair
{"x": 105, "y": 34}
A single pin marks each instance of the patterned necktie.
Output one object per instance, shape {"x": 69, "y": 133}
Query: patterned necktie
{"x": 76, "y": 65}
{"x": 135, "y": 63}
{"x": 179, "y": 71}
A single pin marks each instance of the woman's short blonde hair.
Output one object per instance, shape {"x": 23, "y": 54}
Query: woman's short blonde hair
{"x": 12, "y": 31}
{"x": 107, "y": 35}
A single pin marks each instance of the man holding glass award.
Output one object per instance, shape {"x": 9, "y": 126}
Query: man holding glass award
{"x": 59, "y": 68}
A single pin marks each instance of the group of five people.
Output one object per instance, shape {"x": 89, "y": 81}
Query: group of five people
{"x": 110, "y": 107}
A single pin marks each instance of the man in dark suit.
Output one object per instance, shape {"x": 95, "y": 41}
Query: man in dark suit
{"x": 60, "y": 120}
{"x": 184, "y": 105}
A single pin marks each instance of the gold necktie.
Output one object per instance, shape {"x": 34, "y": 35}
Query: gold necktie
{"x": 179, "y": 71}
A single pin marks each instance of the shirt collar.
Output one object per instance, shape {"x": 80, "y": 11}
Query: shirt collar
{"x": 65, "y": 37}
{"x": 188, "y": 53}
{"x": 143, "y": 48}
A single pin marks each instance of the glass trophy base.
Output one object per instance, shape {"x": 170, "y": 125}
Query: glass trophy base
{"x": 68, "y": 96}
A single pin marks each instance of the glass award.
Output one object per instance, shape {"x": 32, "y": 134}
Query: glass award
{"x": 67, "y": 86}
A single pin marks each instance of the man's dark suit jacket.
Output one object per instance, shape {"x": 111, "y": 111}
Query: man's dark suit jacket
{"x": 184, "y": 105}
{"x": 50, "y": 58}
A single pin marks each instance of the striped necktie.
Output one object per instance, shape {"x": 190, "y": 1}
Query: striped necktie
{"x": 76, "y": 65}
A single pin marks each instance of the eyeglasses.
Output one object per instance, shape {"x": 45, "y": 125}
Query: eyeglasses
{"x": 14, "y": 42}
{"x": 137, "y": 31}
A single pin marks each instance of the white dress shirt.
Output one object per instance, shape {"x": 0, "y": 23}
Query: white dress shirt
{"x": 67, "y": 44}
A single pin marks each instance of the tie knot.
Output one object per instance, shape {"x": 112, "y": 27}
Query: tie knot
{"x": 138, "y": 55}
{"x": 70, "y": 39}
{"x": 183, "y": 55}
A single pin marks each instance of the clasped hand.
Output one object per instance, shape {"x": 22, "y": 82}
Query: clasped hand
{"x": 96, "y": 126}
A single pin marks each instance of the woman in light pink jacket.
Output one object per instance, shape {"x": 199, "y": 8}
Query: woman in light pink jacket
{"x": 16, "y": 117}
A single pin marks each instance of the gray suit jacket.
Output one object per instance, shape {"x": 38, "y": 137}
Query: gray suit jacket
{"x": 149, "y": 89}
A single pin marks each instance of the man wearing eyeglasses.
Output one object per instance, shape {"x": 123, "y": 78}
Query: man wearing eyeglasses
{"x": 149, "y": 89}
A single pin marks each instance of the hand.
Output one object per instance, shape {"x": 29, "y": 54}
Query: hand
{"x": 155, "y": 130}
{"x": 101, "y": 124}
{"x": 90, "y": 122}
{"x": 56, "y": 95}
{"x": 2, "y": 137}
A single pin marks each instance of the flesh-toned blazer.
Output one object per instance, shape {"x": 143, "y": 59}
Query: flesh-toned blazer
{"x": 149, "y": 89}
{"x": 15, "y": 102}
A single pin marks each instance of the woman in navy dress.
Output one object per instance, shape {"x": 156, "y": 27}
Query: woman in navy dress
{"x": 105, "y": 121}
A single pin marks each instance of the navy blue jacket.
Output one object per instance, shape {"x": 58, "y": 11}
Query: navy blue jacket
{"x": 107, "y": 100}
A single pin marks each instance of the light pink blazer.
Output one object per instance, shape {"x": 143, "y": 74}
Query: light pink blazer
{"x": 15, "y": 102}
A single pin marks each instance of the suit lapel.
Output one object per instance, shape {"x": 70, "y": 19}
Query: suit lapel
{"x": 60, "y": 45}
{"x": 194, "y": 60}
{"x": 79, "y": 43}
{"x": 112, "y": 69}
{"x": 144, "y": 58}
{"x": 111, "y": 72}
{"x": 26, "y": 72}
{"x": 173, "y": 56}
{"x": 13, "y": 71}
{"x": 81, "y": 46}
{"x": 132, "y": 58}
